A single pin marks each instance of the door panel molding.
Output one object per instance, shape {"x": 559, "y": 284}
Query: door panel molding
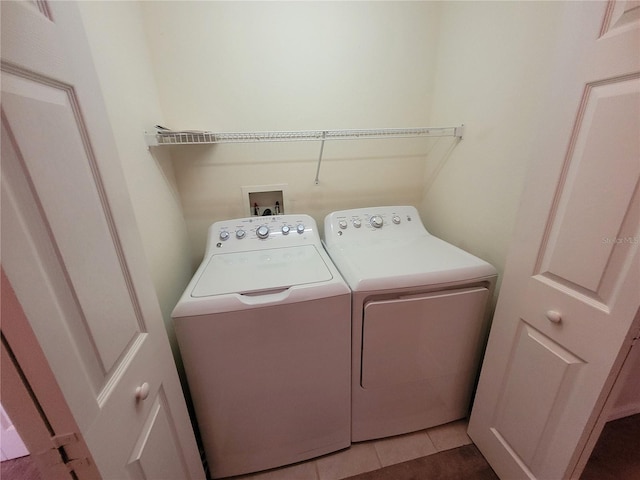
{"x": 535, "y": 359}
{"x": 71, "y": 200}
{"x": 71, "y": 246}
{"x": 567, "y": 275}
{"x": 572, "y": 161}
{"x": 619, "y": 14}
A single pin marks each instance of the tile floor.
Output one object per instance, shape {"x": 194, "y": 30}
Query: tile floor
{"x": 372, "y": 455}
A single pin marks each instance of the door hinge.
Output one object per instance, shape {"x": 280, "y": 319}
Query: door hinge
{"x": 635, "y": 337}
{"x": 58, "y": 455}
{"x": 76, "y": 463}
{"x": 63, "y": 440}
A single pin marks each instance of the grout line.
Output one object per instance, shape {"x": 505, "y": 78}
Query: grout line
{"x": 317, "y": 470}
{"x": 375, "y": 449}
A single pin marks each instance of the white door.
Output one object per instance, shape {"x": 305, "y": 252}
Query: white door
{"x": 571, "y": 288}
{"x": 71, "y": 252}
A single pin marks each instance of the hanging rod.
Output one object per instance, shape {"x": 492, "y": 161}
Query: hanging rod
{"x": 171, "y": 137}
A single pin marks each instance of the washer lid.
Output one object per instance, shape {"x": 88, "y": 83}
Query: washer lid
{"x": 397, "y": 263}
{"x": 260, "y": 270}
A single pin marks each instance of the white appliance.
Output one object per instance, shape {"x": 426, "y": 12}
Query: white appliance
{"x": 264, "y": 329}
{"x": 419, "y": 314}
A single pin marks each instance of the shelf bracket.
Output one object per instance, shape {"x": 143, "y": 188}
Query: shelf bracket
{"x": 324, "y": 136}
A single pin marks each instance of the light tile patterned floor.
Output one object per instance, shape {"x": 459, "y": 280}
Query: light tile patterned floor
{"x": 372, "y": 455}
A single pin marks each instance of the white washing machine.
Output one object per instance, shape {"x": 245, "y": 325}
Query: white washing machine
{"x": 264, "y": 329}
{"x": 419, "y": 313}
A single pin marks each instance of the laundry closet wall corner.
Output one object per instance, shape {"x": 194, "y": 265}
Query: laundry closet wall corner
{"x": 493, "y": 64}
{"x": 115, "y": 32}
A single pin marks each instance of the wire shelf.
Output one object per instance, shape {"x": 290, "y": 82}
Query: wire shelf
{"x": 170, "y": 137}
{"x": 189, "y": 137}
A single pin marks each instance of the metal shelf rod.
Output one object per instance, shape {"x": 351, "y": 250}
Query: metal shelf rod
{"x": 170, "y": 137}
{"x": 198, "y": 137}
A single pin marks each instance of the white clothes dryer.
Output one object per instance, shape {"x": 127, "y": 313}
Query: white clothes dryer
{"x": 419, "y": 315}
{"x": 264, "y": 330}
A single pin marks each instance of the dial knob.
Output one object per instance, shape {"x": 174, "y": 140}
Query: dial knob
{"x": 286, "y": 229}
{"x": 342, "y": 224}
{"x": 376, "y": 221}
{"x": 396, "y": 219}
{"x": 263, "y": 231}
{"x": 240, "y": 233}
{"x": 300, "y": 228}
{"x": 357, "y": 223}
{"x": 224, "y": 235}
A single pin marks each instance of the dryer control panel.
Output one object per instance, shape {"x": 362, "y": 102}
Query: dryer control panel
{"x": 242, "y": 234}
{"x": 375, "y": 222}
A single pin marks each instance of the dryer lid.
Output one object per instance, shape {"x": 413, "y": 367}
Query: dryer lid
{"x": 398, "y": 263}
{"x": 260, "y": 270}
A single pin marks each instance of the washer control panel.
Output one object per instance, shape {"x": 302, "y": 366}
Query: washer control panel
{"x": 251, "y": 233}
{"x": 375, "y": 222}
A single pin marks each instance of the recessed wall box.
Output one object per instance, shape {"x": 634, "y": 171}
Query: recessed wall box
{"x": 264, "y": 200}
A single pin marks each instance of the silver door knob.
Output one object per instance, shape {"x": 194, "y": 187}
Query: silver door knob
{"x": 553, "y": 316}
{"x": 142, "y": 392}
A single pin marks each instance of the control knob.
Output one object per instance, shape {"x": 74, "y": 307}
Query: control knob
{"x": 240, "y": 234}
{"x": 224, "y": 235}
{"x": 396, "y": 219}
{"x": 300, "y": 228}
{"x": 357, "y": 223}
{"x": 376, "y": 221}
{"x": 342, "y": 224}
{"x": 262, "y": 231}
{"x": 285, "y": 229}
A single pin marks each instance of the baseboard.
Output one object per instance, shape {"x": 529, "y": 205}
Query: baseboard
{"x": 624, "y": 411}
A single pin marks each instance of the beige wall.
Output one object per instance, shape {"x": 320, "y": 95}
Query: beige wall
{"x": 493, "y": 64}
{"x": 239, "y": 66}
{"x": 121, "y": 58}
{"x": 244, "y": 66}
{"x": 628, "y": 400}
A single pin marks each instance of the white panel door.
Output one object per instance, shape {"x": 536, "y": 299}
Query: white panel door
{"x": 71, "y": 252}
{"x": 571, "y": 290}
